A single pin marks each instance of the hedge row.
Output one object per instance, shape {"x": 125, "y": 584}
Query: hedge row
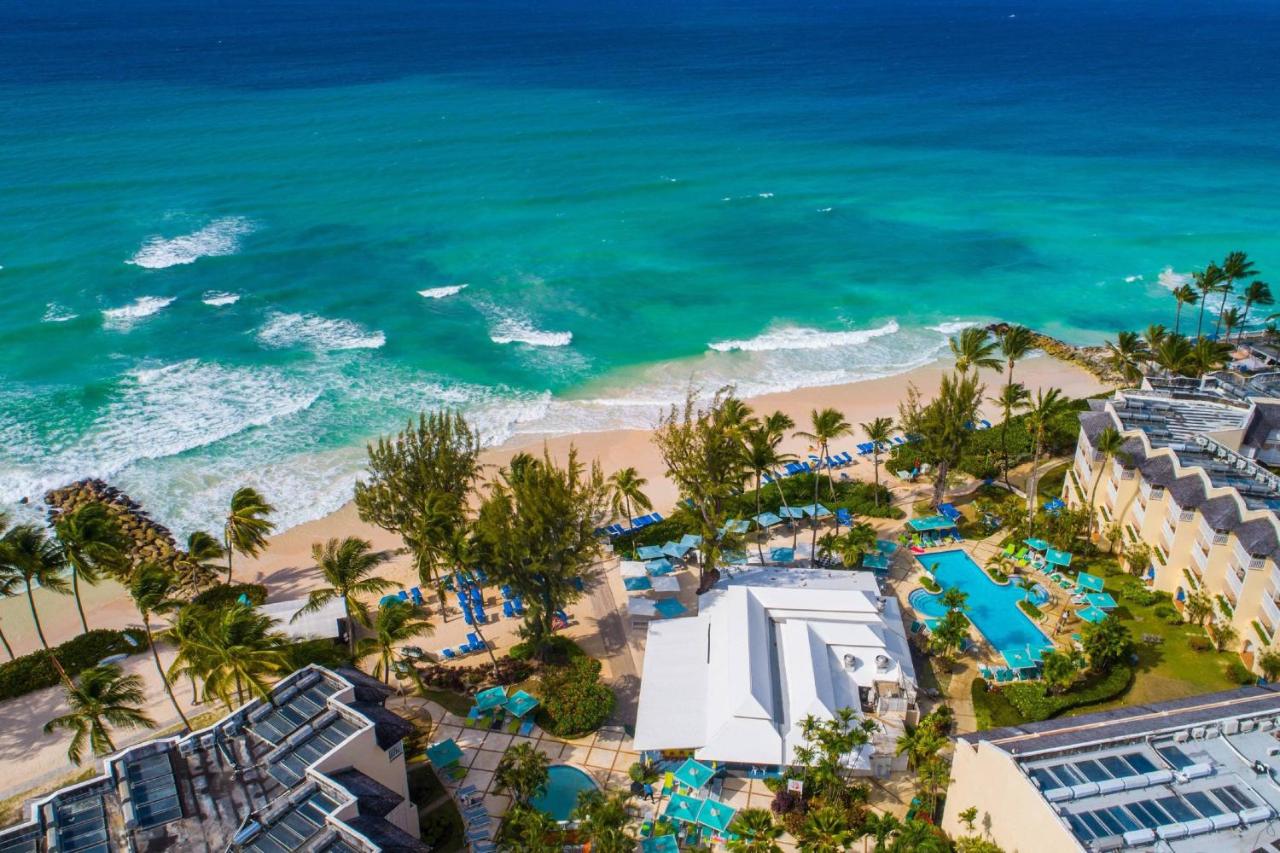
{"x": 217, "y": 597}
{"x": 1028, "y": 701}
{"x": 35, "y": 671}
{"x": 574, "y": 702}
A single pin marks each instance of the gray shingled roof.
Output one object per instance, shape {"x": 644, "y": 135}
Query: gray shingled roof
{"x": 1187, "y": 491}
{"x": 1266, "y": 417}
{"x": 1258, "y": 537}
{"x": 389, "y": 727}
{"x": 372, "y": 797}
{"x": 1093, "y": 423}
{"x": 1222, "y": 513}
{"x": 389, "y": 837}
{"x": 1158, "y": 471}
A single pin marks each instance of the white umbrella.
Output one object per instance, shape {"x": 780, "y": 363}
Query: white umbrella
{"x": 641, "y": 607}
{"x": 665, "y": 583}
{"x": 632, "y": 569}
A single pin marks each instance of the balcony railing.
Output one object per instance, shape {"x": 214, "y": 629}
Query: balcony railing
{"x": 1271, "y": 614}
{"x": 1139, "y": 512}
{"x": 1166, "y": 534}
{"x": 1235, "y": 582}
{"x": 1198, "y": 556}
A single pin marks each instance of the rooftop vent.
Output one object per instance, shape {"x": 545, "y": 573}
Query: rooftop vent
{"x": 850, "y": 662}
{"x": 882, "y": 663}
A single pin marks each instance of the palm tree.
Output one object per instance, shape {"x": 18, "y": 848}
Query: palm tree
{"x": 530, "y": 831}
{"x": 246, "y": 527}
{"x": 917, "y": 836}
{"x": 152, "y": 587}
{"x": 1173, "y": 354}
{"x": 1013, "y": 397}
{"x": 973, "y": 348}
{"x": 429, "y": 535}
{"x": 522, "y": 772}
{"x": 1155, "y": 333}
{"x": 760, "y": 454}
{"x": 826, "y": 425}
{"x": 397, "y": 622}
{"x": 825, "y": 830}
{"x": 851, "y": 545}
{"x": 878, "y": 432}
{"x": 1126, "y": 355}
{"x": 626, "y": 488}
{"x": 347, "y": 568}
{"x": 1185, "y": 295}
{"x": 8, "y": 589}
{"x": 102, "y": 698}
{"x": 234, "y": 651}
{"x": 1232, "y": 318}
{"x": 1207, "y": 355}
{"x": 27, "y": 556}
{"x": 1235, "y": 267}
{"x": 775, "y": 426}
{"x": 92, "y": 544}
{"x": 1206, "y": 283}
{"x": 1257, "y": 293}
{"x": 602, "y": 821}
{"x": 1046, "y": 407}
{"x": 879, "y": 826}
{"x": 756, "y": 832}
{"x": 1109, "y": 443}
{"x": 1015, "y": 343}
{"x": 197, "y": 565}
{"x": 1027, "y": 584}
{"x": 954, "y": 598}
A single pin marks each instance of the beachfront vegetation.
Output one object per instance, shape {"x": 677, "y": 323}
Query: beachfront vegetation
{"x": 29, "y": 558}
{"x": 346, "y": 567}
{"x": 35, "y": 671}
{"x": 100, "y": 699}
{"x": 522, "y": 772}
{"x": 93, "y": 546}
{"x": 879, "y": 432}
{"x": 235, "y": 652}
{"x": 602, "y": 818}
{"x": 626, "y": 494}
{"x": 574, "y": 701}
{"x": 247, "y": 525}
{"x": 152, "y": 589}
{"x": 944, "y": 425}
{"x": 396, "y": 623}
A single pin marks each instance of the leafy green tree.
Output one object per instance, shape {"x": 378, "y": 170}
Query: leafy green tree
{"x": 1106, "y": 643}
{"x": 1016, "y": 343}
{"x": 756, "y": 832}
{"x": 973, "y": 348}
{"x": 101, "y": 699}
{"x": 1207, "y": 355}
{"x": 536, "y": 532}
{"x": 626, "y": 489}
{"x": 1257, "y": 293}
{"x": 826, "y": 830}
{"x": 1198, "y": 607}
{"x": 1206, "y": 282}
{"x": 968, "y": 817}
{"x": 396, "y": 623}
{"x": 602, "y": 820}
{"x": 977, "y": 844}
{"x": 1155, "y": 333}
{"x": 701, "y": 449}
{"x": 1027, "y": 584}
{"x": 1044, "y": 409}
{"x": 1014, "y": 397}
{"x": 233, "y": 651}
{"x": 850, "y": 546}
{"x": 954, "y": 598}
{"x": 934, "y": 775}
{"x": 347, "y": 567}
{"x": 949, "y": 635}
{"x": 878, "y": 432}
{"x": 826, "y": 744}
{"x": 1269, "y": 663}
{"x": 760, "y": 454}
{"x": 92, "y": 545}
{"x": 1109, "y": 444}
{"x": 1126, "y": 355}
{"x": 920, "y": 743}
{"x": 918, "y": 836}
{"x": 880, "y": 826}
{"x": 943, "y": 423}
{"x": 8, "y": 589}
{"x": 28, "y": 557}
{"x": 825, "y": 426}
{"x": 1183, "y": 295}
{"x": 1060, "y": 669}
{"x": 246, "y": 527}
{"x": 527, "y": 830}
{"x": 1224, "y": 634}
{"x": 1231, "y": 319}
{"x": 152, "y": 587}
{"x": 1173, "y": 355}
{"x": 522, "y": 772}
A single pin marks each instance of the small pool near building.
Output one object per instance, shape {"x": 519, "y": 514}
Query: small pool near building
{"x": 564, "y": 783}
{"x": 992, "y": 607}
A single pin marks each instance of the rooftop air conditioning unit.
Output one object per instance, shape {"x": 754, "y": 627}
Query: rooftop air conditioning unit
{"x": 1198, "y": 733}
{"x": 850, "y": 662}
{"x": 1180, "y": 737}
{"x": 1230, "y": 727}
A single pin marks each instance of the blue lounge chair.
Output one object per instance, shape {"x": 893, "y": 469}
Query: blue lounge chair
{"x": 526, "y": 728}
{"x": 768, "y": 478}
{"x": 476, "y": 597}
{"x": 416, "y": 595}
{"x": 402, "y": 595}
{"x": 507, "y": 610}
{"x": 844, "y": 517}
{"x": 657, "y": 517}
{"x": 467, "y": 617}
{"x": 464, "y": 650}
{"x": 449, "y": 654}
{"x": 518, "y": 605}
{"x": 897, "y": 439}
{"x": 482, "y": 577}
{"x": 480, "y": 616}
{"x": 986, "y": 424}
{"x": 846, "y": 458}
{"x": 473, "y": 640}
{"x": 506, "y": 591}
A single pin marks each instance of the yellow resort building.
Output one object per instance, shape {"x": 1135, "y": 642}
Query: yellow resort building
{"x": 1193, "y": 482}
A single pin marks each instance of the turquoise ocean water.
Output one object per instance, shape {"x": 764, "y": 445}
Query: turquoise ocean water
{"x": 217, "y": 220}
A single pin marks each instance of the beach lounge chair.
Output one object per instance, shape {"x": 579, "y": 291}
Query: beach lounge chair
{"x": 473, "y": 640}
{"x": 985, "y": 672}
{"x": 402, "y": 595}
{"x": 416, "y": 595}
{"x": 986, "y": 424}
{"x": 448, "y": 654}
{"x": 526, "y": 728}
{"x": 1021, "y": 557}
{"x": 507, "y": 610}
{"x": 657, "y": 517}
{"x": 517, "y": 605}
{"x": 847, "y": 458}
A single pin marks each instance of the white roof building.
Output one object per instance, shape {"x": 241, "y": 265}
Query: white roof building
{"x": 768, "y": 648}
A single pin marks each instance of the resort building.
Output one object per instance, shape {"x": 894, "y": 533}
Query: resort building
{"x": 318, "y": 768}
{"x": 1193, "y": 483}
{"x": 768, "y": 648}
{"x": 1194, "y": 774}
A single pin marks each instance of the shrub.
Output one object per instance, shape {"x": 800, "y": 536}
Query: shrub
{"x": 328, "y": 653}
{"x": 787, "y": 802}
{"x": 1239, "y": 673}
{"x": 1144, "y": 597}
{"x": 460, "y": 679}
{"x": 930, "y": 584}
{"x": 560, "y": 650}
{"x": 991, "y": 708}
{"x": 35, "y": 672}
{"x": 220, "y": 596}
{"x": 574, "y": 701}
{"x": 1164, "y": 611}
{"x": 997, "y": 575}
{"x": 1030, "y": 609}
{"x": 1199, "y": 643}
{"x": 1032, "y": 701}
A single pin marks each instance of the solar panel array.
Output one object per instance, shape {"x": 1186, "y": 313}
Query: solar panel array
{"x": 288, "y": 766}
{"x": 153, "y": 790}
{"x": 295, "y": 827}
{"x": 1155, "y": 812}
{"x": 1068, "y": 774}
{"x": 22, "y": 840}
{"x": 291, "y": 709}
{"x": 82, "y": 824}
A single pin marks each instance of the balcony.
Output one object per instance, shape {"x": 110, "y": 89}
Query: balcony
{"x": 1199, "y": 557}
{"x": 1139, "y": 512}
{"x": 1166, "y": 535}
{"x": 1112, "y": 493}
{"x": 1270, "y": 615}
{"x": 1235, "y": 582}
{"x": 1206, "y": 532}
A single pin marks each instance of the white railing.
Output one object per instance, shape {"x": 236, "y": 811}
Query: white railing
{"x": 1242, "y": 557}
{"x": 1242, "y": 464}
{"x": 1139, "y": 512}
{"x": 1235, "y": 581}
{"x": 1198, "y": 555}
{"x": 1271, "y": 613}
{"x": 1166, "y": 535}
{"x": 1206, "y": 532}
{"x": 1111, "y": 489}
{"x": 1145, "y": 488}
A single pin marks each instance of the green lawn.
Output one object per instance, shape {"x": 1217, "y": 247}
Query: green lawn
{"x": 441, "y": 826}
{"x": 1049, "y": 486}
{"x": 1169, "y": 669}
{"x": 456, "y": 703}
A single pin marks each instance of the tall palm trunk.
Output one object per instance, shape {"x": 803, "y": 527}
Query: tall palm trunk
{"x": 226, "y": 538}
{"x": 1200, "y": 322}
{"x": 759, "y": 541}
{"x": 1217, "y": 329}
{"x": 111, "y": 747}
{"x": 164, "y": 679}
{"x": 813, "y": 553}
{"x": 75, "y": 592}
{"x": 1031, "y": 484}
{"x": 8, "y": 648}
{"x": 626, "y": 505}
{"x": 1177, "y": 317}
{"x": 875, "y": 470}
{"x": 351, "y": 627}
{"x": 53, "y": 658}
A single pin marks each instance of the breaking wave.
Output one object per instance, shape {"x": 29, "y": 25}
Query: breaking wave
{"x": 317, "y": 333}
{"x": 127, "y": 316}
{"x": 803, "y": 338}
{"x": 442, "y": 292}
{"x": 217, "y": 298}
{"x": 219, "y": 237}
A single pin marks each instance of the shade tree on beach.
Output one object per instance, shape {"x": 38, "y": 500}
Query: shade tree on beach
{"x": 152, "y": 588}
{"x": 235, "y": 652}
{"x": 347, "y": 568}
{"x": 1184, "y": 294}
{"x": 100, "y": 699}
{"x": 944, "y": 424}
{"x": 1046, "y": 406}
{"x": 973, "y": 349}
{"x": 199, "y": 566}
{"x": 246, "y": 527}
{"x": 878, "y": 431}
{"x": 93, "y": 545}
{"x": 396, "y": 622}
{"x": 761, "y": 455}
{"x": 1013, "y": 399}
{"x": 626, "y": 492}
{"x": 30, "y": 558}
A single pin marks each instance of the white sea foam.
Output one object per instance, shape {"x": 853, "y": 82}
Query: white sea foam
{"x": 1173, "y": 280}
{"x": 219, "y": 237}
{"x": 317, "y": 333}
{"x": 520, "y": 330}
{"x": 442, "y": 292}
{"x": 127, "y": 316}
{"x": 55, "y": 313}
{"x": 825, "y": 209}
{"x": 1130, "y": 279}
{"x": 218, "y": 298}
{"x": 803, "y": 338}
{"x": 952, "y": 326}
{"x": 765, "y": 195}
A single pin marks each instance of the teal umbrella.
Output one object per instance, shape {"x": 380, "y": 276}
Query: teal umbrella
{"x": 683, "y": 808}
{"x": 444, "y": 754}
{"x": 1093, "y": 583}
{"x": 1058, "y": 558}
{"x": 660, "y": 844}
{"x": 649, "y": 552}
{"x": 494, "y": 697}
{"x": 716, "y": 815}
{"x": 521, "y": 703}
{"x": 1092, "y": 614}
{"x": 1101, "y": 600}
{"x": 694, "y": 774}
{"x": 1037, "y": 544}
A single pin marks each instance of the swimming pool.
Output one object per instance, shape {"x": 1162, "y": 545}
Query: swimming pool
{"x": 992, "y": 607}
{"x": 564, "y": 783}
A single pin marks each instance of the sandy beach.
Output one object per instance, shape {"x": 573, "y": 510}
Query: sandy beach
{"x": 287, "y": 570}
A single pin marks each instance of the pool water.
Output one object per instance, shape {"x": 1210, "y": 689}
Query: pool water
{"x": 564, "y": 783}
{"x": 992, "y": 607}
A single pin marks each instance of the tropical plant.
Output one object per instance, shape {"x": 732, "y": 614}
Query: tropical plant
{"x": 626, "y": 489}
{"x": 825, "y": 830}
{"x": 954, "y": 598}
{"x": 522, "y": 772}
{"x": 395, "y": 623}
{"x": 824, "y": 427}
{"x": 1013, "y": 397}
{"x": 918, "y": 836}
{"x": 1109, "y": 444}
{"x": 233, "y": 651}
{"x": 536, "y": 533}
{"x": 347, "y": 567}
{"x": 949, "y": 635}
{"x": 1207, "y": 355}
{"x": 246, "y": 527}
{"x": 527, "y": 830}
{"x": 973, "y": 348}
{"x": 1269, "y": 663}
{"x": 28, "y": 557}
{"x": 602, "y": 820}
{"x": 878, "y": 432}
{"x": 1155, "y": 333}
{"x": 760, "y": 455}
{"x": 1198, "y": 607}
{"x": 1206, "y": 282}
{"x": 881, "y": 826}
{"x": 197, "y": 566}
{"x": 1224, "y": 634}
{"x": 151, "y": 586}
{"x": 1060, "y": 669}
{"x": 850, "y": 546}
{"x": 1173, "y": 355}
{"x": 1184, "y": 295}
{"x": 1257, "y": 293}
{"x": 1235, "y": 267}
{"x": 92, "y": 545}
{"x": 1126, "y": 354}
{"x": 1046, "y": 406}
{"x": 920, "y": 743}
{"x": 1231, "y": 319}
{"x": 755, "y": 831}
{"x": 1106, "y": 644}
{"x": 1027, "y": 584}
{"x": 100, "y": 699}
{"x": 827, "y": 743}
{"x": 1016, "y": 343}
{"x": 943, "y": 424}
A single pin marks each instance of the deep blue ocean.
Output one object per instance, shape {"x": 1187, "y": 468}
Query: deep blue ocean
{"x": 234, "y": 235}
